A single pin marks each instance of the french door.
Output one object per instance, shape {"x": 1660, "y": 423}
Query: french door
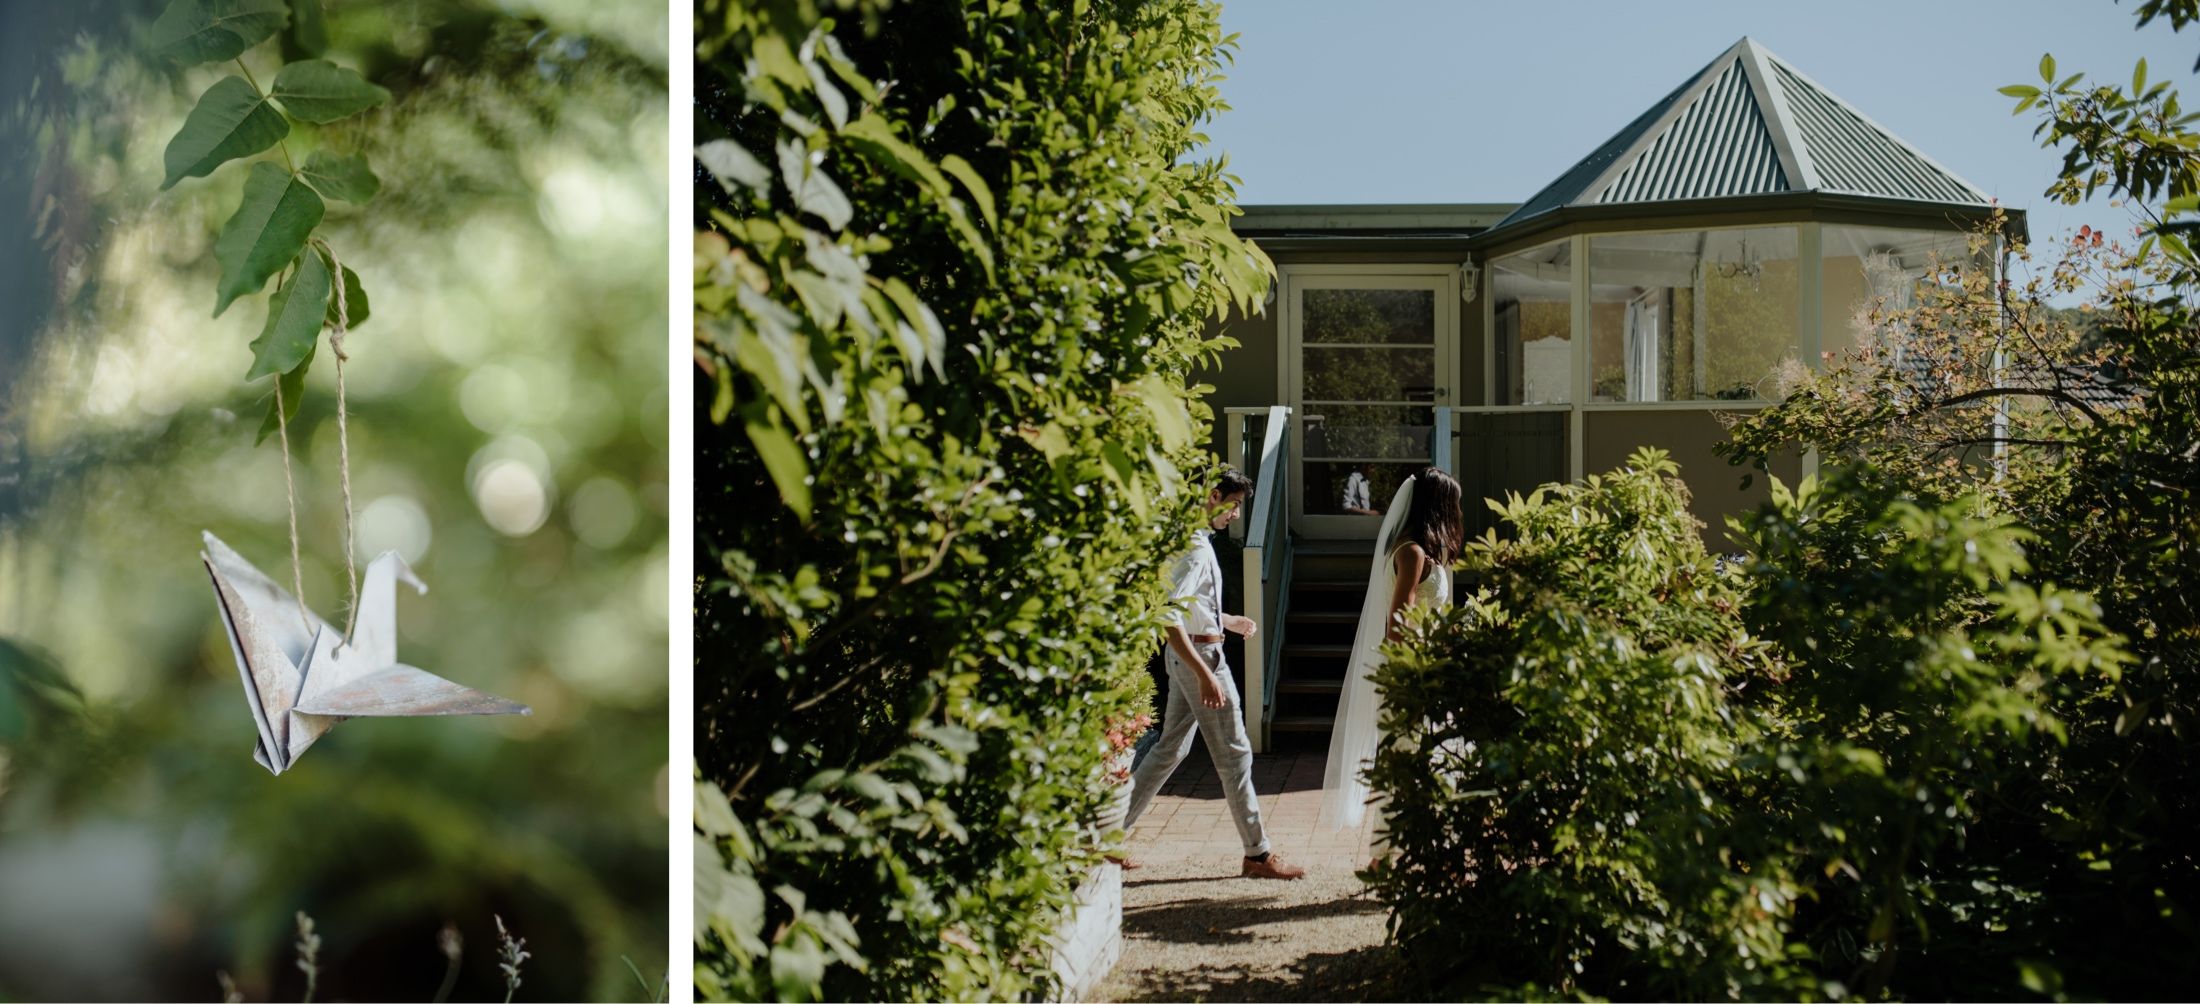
{"x": 1370, "y": 354}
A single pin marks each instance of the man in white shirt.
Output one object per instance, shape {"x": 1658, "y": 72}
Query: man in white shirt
{"x": 1356, "y": 500}
{"x": 1203, "y": 697}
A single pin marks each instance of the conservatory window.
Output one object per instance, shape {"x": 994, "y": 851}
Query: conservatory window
{"x": 1691, "y": 316}
{"x": 1532, "y": 299}
{"x": 1872, "y": 276}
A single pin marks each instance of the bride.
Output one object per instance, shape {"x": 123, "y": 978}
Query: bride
{"x": 1421, "y": 535}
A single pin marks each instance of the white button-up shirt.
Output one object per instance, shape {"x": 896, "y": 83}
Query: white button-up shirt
{"x": 1355, "y": 492}
{"x": 1198, "y": 576}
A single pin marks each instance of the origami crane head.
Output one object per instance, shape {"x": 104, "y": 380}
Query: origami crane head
{"x": 301, "y": 677}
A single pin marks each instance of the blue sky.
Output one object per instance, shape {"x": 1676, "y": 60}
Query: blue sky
{"x": 1425, "y": 101}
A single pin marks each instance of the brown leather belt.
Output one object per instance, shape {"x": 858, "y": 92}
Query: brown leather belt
{"x": 1206, "y": 639}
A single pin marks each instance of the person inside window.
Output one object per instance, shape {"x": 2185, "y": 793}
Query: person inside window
{"x": 1356, "y": 500}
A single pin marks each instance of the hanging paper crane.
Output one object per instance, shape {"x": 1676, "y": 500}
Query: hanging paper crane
{"x": 301, "y": 678}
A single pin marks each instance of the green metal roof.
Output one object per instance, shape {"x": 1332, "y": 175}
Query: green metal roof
{"x": 1749, "y": 124}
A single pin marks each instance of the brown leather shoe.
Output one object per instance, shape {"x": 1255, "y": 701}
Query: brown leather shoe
{"x": 1124, "y": 861}
{"x": 1272, "y": 867}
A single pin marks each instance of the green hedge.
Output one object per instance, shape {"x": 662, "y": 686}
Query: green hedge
{"x": 955, "y": 269}
{"x": 1621, "y": 771}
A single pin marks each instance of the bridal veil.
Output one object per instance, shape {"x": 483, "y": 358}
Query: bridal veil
{"x": 1352, "y": 739}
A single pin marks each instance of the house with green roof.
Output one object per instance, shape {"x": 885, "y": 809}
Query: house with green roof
{"x": 1735, "y": 235}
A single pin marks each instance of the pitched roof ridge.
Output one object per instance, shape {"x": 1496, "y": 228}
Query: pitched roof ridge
{"x": 1687, "y": 96}
{"x": 1780, "y": 121}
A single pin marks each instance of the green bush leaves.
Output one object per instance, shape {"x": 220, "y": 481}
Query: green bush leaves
{"x": 944, "y": 332}
{"x": 1672, "y": 779}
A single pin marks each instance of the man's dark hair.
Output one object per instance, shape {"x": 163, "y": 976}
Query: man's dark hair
{"x": 1233, "y": 482}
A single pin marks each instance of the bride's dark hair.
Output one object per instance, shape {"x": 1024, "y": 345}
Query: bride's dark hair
{"x": 1435, "y": 521}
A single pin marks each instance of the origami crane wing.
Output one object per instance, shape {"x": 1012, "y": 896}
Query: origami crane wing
{"x": 300, "y": 679}
{"x": 364, "y": 677}
{"x": 271, "y": 637}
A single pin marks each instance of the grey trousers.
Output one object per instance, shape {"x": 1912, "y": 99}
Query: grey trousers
{"x": 1227, "y": 745}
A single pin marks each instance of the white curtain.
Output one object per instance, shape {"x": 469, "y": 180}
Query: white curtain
{"x": 1642, "y": 348}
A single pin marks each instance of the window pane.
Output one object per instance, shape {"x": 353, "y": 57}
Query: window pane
{"x": 1369, "y": 316}
{"x": 1368, "y": 432}
{"x": 1872, "y": 272}
{"x": 1697, "y": 315}
{"x": 1371, "y": 374}
{"x": 1338, "y": 489}
{"x": 1532, "y": 295}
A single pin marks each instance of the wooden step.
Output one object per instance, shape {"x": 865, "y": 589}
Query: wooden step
{"x": 1302, "y": 723}
{"x": 1310, "y": 685}
{"x": 1317, "y": 651}
{"x": 1322, "y": 617}
{"x": 1328, "y": 585}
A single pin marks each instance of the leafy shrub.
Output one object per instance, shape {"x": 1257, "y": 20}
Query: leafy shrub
{"x": 1918, "y": 707}
{"x": 1618, "y": 771}
{"x": 1567, "y": 766}
{"x": 943, "y": 327}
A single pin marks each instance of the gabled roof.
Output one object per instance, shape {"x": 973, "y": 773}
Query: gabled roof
{"x": 1749, "y": 124}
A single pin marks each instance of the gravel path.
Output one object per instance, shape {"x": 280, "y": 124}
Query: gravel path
{"x": 1194, "y": 930}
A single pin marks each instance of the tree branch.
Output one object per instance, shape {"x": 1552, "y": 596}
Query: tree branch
{"x": 1993, "y": 392}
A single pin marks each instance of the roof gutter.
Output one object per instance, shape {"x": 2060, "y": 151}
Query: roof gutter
{"x": 1785, "y": 207}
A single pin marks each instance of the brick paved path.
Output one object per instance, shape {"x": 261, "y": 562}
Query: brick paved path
{"x": 1188, "y": 821}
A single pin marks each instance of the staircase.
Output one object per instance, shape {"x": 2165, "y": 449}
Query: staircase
{"x": 1328, "y": 585}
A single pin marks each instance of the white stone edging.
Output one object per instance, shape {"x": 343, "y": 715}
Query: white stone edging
{"x": 1089, "y": 940}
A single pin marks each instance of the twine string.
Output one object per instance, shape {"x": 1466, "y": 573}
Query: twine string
{"x": 343, "y": 435}
{"x": 343, "y": 460}
{"x": 290, "y": 498}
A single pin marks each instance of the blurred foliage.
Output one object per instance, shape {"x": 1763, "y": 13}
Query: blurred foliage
{"x": 507, "y": 435}
{"x": 944, "y": 327}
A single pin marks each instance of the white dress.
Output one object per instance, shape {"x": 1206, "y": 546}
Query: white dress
{"x": 1352, "y": 739}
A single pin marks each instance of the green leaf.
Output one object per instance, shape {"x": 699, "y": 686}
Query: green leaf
{"x": 1171, "y": 419}
{"x": 307, "y": 27}
{"x": 1049, "y": 440}
{"x": 209, "y": 31}
{"x": 345, "y": 177}
{"x": 355, "y": 303}
{"x": 268, "y": 229}
{"x": 979, "y": 193}
{"x": 873, "y": 134}
{"x": 293, "y": 386}
{"x": 921, "y": 339}
{"x": 813, "y": 192}
{"x": 317, "y": 90}
{"x": 231, "y": 120}
{"x": 2047, "y": 67}
{"x": 783, "y": 460}
{"x": 733, "y": 165}
{"x": 798, "y": 966}
{"x": 2139, "y": 78}
{"x": 2021, "y": 91}
{"x": 294, "y": 317}
{"x": 713, "y": 813}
